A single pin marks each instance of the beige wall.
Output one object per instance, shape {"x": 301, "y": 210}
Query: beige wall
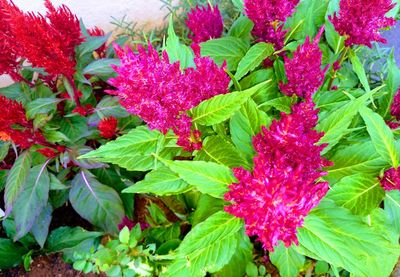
{"x": 147, "y": 13}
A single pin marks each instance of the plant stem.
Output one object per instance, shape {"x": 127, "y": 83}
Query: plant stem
{"x": 342, "y": 58}
{"x": 75, "y": 89}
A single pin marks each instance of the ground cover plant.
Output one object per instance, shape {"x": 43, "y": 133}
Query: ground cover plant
{"x": 250, "y": 138}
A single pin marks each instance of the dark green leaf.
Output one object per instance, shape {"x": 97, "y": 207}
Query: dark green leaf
{"x": 41, "y": 106}
{"x": 40, "y": 229}
{"x": 206, "y": 207}
{"x": 97, "y": 203}
{"x": 15, "y": 179}
{"x": 101, "y": 67}
{"x": 32, "y": 200}
{"x": 10, "y": 253}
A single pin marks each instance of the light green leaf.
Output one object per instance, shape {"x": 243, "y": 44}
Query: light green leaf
{"x": 245, "y": 124}
{"x": 287, "y": 260}
{"x": 392, "y": 208}
{"x": 15, "y": 180}
{"x": 177, "y": 51}
{"x": 350, "y": 160}
{"x": 41, "y": 106}
{"x": 253, "y": 58}
{"x": 95, "y": 202}
{"x": 336, "y": 124}
{"x": 359, "y": 70}
{"x": 241, "y": 28}
{"x": 229, "y": 49}
{"x": 32, "y": 200}
{"x": 358, "y": 193}
{"x": 209, "y": 246}
{"x": 332, "y": 234}
{"x": 238, "y": 4}
{"x": 161, "y": 181}
{"x": 101, "y": 67}
{"x": 218, "y": 150}
{"x": 381, "y": 135}
{"x": 221, "y": 107}
{"x": 207, "y": 177}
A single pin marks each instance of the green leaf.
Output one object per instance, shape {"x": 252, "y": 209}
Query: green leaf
{"x": 350, "y": 160}
{"x": 336, "y": 124}
{"x": 161, "y": 181}
{"x": 392, "y": 83}
{"x": 207, "y": 177}
{"x": 221, "y": 107}
{"x": 91, "y": 44}
{"x": 287, "y": 260}
{"x": 176, "y": 50}
{"x": 97, "y": 203}
{"x": 209, "y": 246}
{"x": 15, "y": 179}
{"x": 238, "y": 4}
{"x": 218, "y": 150}
{"x": 392, "y": 208}
{"x": 101, "y": 67}
{"x": 243, "y": 255}
{"x": 10, "y": 253}
{"x": 64, "y": 238}
{"x": 41, "y": 106}
{"x": 40, "y": 229}
{"x": 229, "y": 49}
{"x": 358, "y": 193}
{"x": 332, "y": 234}
{"x": 381, "y": 135}
{"x": 32, "y": 200}
{"x": 359, "y": 69}
{"x": 253, "y": 58}
{"x": 241, "y": 28}
{"x": 245, "y": 124}
{"x": 206, "y": 207}
{"x": 74, "y": 128}
{"x": 133, "y": 150}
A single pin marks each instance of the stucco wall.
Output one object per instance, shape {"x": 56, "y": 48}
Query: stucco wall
{"x": 147, "y": 13}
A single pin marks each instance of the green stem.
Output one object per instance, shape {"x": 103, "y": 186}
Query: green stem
{"x": 342, "y": 58}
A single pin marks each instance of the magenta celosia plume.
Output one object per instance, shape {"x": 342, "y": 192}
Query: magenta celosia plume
{"x": 205, "y": 23}
{"x": 395, "y": 108}
{"x": 45, "y": 41}
{"x": 160, "y": 93}
{"x": 360, "y": 20}
{"x": 391, "y": 179}
{"x": 268, "y": 17}
{"x": 274, "y": 199}
{"x": 304, "y": 71}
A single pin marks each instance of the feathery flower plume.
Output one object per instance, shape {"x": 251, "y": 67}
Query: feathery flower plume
{"x": 205, "y": 23}
{"x": 275, "y": 198}
{"x": 304, "y": 71}
{"x": 391, "y": 179}
{"x": 15, "y": 127}
{"x": 108, "y": 127}
{"x": 268, "y": 17}
{"x": 160, "y": 93}
{"x": 98, "y": 32}
{"x": 45, "y": 41}
{"x": 395, "y": 108}
{"x": 360, "y": 20}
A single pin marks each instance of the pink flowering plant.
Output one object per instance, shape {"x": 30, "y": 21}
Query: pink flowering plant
{"x": 258, "y": 141}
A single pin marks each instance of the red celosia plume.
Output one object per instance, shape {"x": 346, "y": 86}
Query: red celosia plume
{"x": 108, "y": 127}
{"x": 275, "y": 198}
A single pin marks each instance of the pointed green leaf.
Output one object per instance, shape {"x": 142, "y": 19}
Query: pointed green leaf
{"x": 207, "y": 177}
{"x": 287, "y": 260}
{"x": 176, "y": 50}
{"x": 253, "y": 58}
{"x": 95, "y": 202}
{"x": 381, "y": 135}
{"x": 41, "y": 106}
{"x": 358, "y": 193}
{"x": 10, "y": 253}
{"x": 161, "y": 181}
{"x": 101, "y": 67}
{"x": 40, "y": 229}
